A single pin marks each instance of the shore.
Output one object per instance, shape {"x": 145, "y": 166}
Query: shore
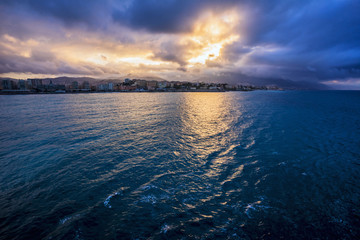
{"x": 17, "y": 92}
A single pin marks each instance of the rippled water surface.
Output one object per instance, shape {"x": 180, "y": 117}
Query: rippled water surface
{"x": 234, "y": 165}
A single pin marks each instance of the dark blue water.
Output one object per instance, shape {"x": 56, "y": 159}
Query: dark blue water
{"x": 234, "y": 165}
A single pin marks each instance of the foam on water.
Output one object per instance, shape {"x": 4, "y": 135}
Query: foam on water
{"x": 67, "y": 218}
{"x": 148, "y": 187}
{"x": 107, "y": 200}
{"x": 64, "y": 220}
{"x": 165, "y": 228}
{"x": 149, "y": 199}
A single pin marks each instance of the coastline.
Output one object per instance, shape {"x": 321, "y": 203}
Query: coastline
{"x": 16, "y": 92}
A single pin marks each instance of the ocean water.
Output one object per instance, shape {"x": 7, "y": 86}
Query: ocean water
{"x": 233, "y": 165}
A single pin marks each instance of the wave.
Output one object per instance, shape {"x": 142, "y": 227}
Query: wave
{"x": 107, "y": 200}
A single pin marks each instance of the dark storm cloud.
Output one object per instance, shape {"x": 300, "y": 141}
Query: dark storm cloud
{"x": 351, "y": 67}
{"x": 70, "y": 12}
{"x": 316, "y": 40}
{"x": 171, "y": 52}
{"x": 313, "y": 25}
{"x": 42, "y": 62}
{"x": 168, "y": 56}
{"x": 166, "y": 16}
{"x": 310, "y": 25}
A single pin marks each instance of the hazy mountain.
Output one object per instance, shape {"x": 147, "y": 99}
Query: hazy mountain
{"x": 243, "y": 79}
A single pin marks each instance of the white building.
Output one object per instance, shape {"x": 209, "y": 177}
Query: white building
{"x": 110, "y": 86}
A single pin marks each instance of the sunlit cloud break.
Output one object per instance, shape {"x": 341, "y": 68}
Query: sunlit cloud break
{"x": 300, "y": 43}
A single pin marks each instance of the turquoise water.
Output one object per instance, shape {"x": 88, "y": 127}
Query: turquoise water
{"x": 233, "y": 165}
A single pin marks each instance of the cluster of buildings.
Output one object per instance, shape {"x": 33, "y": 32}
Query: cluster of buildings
{"x": 29, "y": 85}
{"x": 138, "y": 85}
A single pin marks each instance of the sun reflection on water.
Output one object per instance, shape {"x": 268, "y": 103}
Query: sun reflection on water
{"x": 207, "y": 128}
{"x": 206, "y": 114}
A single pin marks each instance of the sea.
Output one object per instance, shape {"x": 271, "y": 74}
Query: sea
{"x": 183, "y": 165}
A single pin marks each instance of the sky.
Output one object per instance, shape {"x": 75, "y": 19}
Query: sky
{"x": 281, "y": 42}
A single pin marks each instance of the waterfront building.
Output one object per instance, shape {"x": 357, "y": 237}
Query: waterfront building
{"x": 151, "y": 85}
{"x": 28, "y": 84}
{"x": 163, "y": 84}
{"x": 230, "y": 87}
{"x": 102, "y": 87}
{"x": 203, "y": 86}
{"x": 36, "y": 83}
{"x": 110, "y": 86}
{"x": 22, "y": 85}
{"x": 176, "y": 85}
{"x": 6, "y": 84}
{"x": 86, "y": 85}
{"x": 127, "y": 88}
{"x": 51, "y": 85}
{"x": 74, "y": 85}
{"x": 140, "y": 83}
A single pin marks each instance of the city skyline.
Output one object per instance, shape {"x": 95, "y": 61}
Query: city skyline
{"x": 308, "y": 42}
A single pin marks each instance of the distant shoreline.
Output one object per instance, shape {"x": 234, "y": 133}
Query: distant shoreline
{"x": 17, "y": 92}
{"x": 80, "y": 85}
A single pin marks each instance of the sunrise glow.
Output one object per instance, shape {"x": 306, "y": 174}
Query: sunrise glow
{"x": 179, "y": 40}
